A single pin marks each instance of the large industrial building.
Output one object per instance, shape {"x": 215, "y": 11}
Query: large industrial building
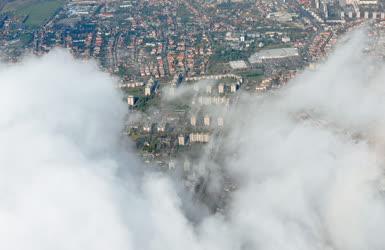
{"x": 271, "y": 54}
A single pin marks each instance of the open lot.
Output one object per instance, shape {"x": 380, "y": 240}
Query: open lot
{"x": 35, "y": 12}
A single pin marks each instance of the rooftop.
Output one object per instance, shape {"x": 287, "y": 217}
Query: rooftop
{"x": 238, "y": 64}
{"x": 273, "y": 54}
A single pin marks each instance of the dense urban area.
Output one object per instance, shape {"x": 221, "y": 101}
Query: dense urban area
{"x": 181, "y": 64}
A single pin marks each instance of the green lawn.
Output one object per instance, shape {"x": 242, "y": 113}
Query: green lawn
{"x": 253, "y": 75}
{"x": 38, "y": 11}
{"x": 138, "y": 91}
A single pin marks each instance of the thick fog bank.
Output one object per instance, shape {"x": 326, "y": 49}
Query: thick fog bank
{"x": 307, "y": 159}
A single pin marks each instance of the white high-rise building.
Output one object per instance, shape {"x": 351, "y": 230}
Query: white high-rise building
{"x": 317, "y": 4}
{"x": 221, "y": 88}
{"x": 193, "y": 120}
{"x": 206, "y": 120}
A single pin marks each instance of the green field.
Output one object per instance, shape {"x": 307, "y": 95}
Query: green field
{"x": 253, "y": 75}
{"x": 36, "y": 12}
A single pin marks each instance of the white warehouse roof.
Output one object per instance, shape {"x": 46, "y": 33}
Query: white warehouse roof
{"x": 240, "y": 64}
{"x": 273, "y": 54}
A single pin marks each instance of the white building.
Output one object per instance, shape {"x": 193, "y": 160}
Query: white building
{"x": 193, "y": 120}
{"x": 234, "y": 88}
{"x": 206, "y": 120}
{"x": 268, "y": 54}
{"x": 220, "y": 121}
{"x": 131, "y": 100}
{"x": 240, "y": 64}
{"x": 182, "y": 140}
{"x": 199, "y": 137}
{"x": 221, "y": 88}
{"x": 367, "y": 2}
{"x": 208, "y": 89}
{"x": 147, "y": 90}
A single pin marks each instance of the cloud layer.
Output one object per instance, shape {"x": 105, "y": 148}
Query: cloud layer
{"x": 66, "y": 182}
{"x": 307, "y": 160}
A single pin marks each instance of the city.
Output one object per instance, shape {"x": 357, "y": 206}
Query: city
{"x": 205, "y": 86}
{"x": 182, "y": 63}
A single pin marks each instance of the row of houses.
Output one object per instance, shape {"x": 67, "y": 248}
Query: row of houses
{"x": 130, "y": 85}
{"x": 206, "y": 121}
{"x": 210, "y": 100}
{"x": 360, "y": 15}
{"x": 199, "y": 137}
{"x": 214, "y": 77}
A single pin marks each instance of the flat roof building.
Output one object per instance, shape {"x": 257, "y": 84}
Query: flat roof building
{"x": 281, "y": 53}
{"x": 206, "y": 120}
{"x": 193, "y": 120}
{"x": 240, "y": 64}
{"x": 182, "y": 140}
{"x": 131, "y": 100}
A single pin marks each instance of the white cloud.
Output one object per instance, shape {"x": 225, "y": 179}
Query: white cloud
{"x": 304, "y": 183}
{"x": 59, "y": 155}
{"x": 308, "y": 183}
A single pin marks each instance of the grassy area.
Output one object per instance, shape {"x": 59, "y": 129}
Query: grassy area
{"x": 228, "y": 54}
{"x": 147, "y": 101}
{"x": 139, "y": 91}
{"x": 253, "y": 75}
{"x": 26, "y": 38}
{"x": 275, "y": 46}
{"x": 37, "y": 12}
